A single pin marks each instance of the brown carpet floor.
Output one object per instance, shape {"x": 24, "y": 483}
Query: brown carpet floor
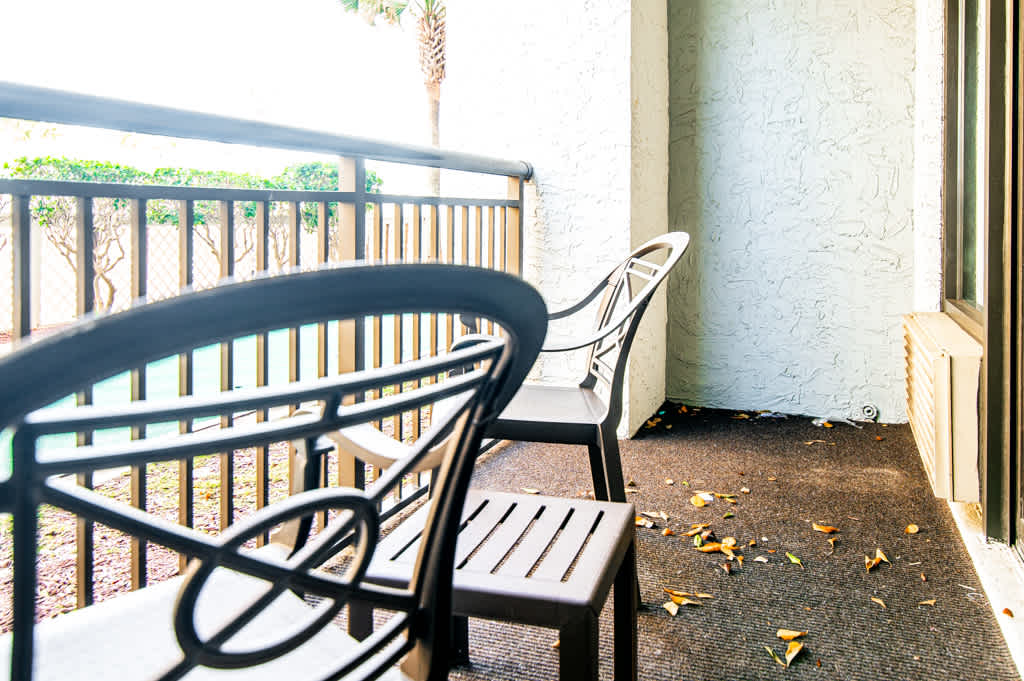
{"x": 869, "y": 483}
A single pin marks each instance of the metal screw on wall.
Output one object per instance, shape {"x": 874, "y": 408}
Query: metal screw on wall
{"x": 869, "y": 412}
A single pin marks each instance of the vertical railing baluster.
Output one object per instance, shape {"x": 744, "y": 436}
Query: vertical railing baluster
{"x": 460, "y": 329}
{"x": 414, "y": 255}
{"x": 322, "y": 234}
{"x": 227, "y": 365}
{"x": 377, "y": 250}
{"x": 514, "y": 227}
{"x": 262, "y": 364}
{"x": 396, "y": 339}
{"x": 21, "y": 243}
{"x": 294, "y": 340}
{"x": 139, "y": 268}
{"x": 85, "y": 301}
{"x": 351, "y": 177}
{"x": 186, "y": 250}
{"x": 490, "y": 255}
{"x": 449, "y": 318}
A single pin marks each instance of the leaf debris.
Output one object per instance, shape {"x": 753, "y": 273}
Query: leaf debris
{"x": 878, "y": 600}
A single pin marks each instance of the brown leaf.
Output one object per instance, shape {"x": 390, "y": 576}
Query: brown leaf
{"x": 727, "y": 550}
{"x": 789, "y": 634}
{"x": 739, "y": 559}
{"x": 871, "y": 562}
{"x": 694, "y": 531}
{"x": 710, "y": 547}
{"x": 1008, "y": 612}
{"x": 879, "y": 601}
{"x": 923, "y": 578}
{"x": 930, "y": 601}
{"x": 912, "y": 529}
{"x": 827, "y": 529}
{"x": 832, "y": 542}
{"x": 631, "y": 482}
{"x": 727, "y": 567}
{"x": 667, "y": 532}
{"x": 675, "y": 592}
{"x": 772, "y": 478}
{"x": 792, "y": 651}
{"x": 641, "y": 521}
{"x": 753, "y": 542}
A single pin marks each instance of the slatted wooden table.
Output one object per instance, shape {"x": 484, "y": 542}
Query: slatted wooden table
{"x": 537, "y": 560}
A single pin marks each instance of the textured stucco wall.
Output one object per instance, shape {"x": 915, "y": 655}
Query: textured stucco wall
{"x": 791, "y": 163}
{"x": 552, "y": 83}
{"x": 648, "y": 195}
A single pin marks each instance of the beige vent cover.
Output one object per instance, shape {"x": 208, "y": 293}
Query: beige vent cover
{"x": 943, "y": 366}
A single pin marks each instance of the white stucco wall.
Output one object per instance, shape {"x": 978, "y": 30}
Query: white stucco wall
{"x": 555, "y": 83}
{"x": 792, "y": 147}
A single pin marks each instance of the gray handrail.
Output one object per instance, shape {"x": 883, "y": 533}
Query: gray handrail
{"x": 32, "y": 103}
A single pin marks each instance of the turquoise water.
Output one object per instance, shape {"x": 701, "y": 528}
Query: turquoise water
{"x": 162, "y": 379}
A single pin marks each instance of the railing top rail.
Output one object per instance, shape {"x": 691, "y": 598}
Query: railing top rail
{"x": 32, "y": 103}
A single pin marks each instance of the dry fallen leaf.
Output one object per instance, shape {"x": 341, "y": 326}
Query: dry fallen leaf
{"x": 792, "y": 651}
{"x": 814, "y": 442}
{"x": 789, "y": 634}
{"x": 727, "y": 550}
{"x": 728, "y": 514}
{"x": 753, "y": 542}
{"x": 761, "y": 559}
{"x": 1008, "y": 612}
{"x": 530, "y": 490}
{"x": 671, "y": 607}
{"x": 794, "y": 559}
{"x": 741, "y": 416}
{"x": 727, "y": 567}
{"x": 632, "y": 491}
{"x": 774, "y": 656}
{"x": 631, "y": 483}
{"x": 827, "y": 529}
{"x": 871, "y": 562}
{"x": 697, "y": 501}
{"x": 772, "y": 478}
{"x": 745, "y": 490}
{"x": 828, "y": 425}
{"x": 930, "y": 601}
{"x": 879, "y": 601}
{"x": 725, "y": 496}
{"x": 832, "y": 542}
{"x": 694, "y": 531}
{"x": 923, "y": 578}
{"x": 667, "y": 532}
{"x": 710, "y": 547}
{"x": 675, "y": 592}
{"x": 669, "y": 481}
{"x": 739, "y": 559}
{"x": 912, "y": 529}
{"x": 641, "y": 521}
{"x": 700, "y": 595}
{"x": 881, "y": 556}
{"x": 729, "y": 541}
{"x": 700, "y": 526}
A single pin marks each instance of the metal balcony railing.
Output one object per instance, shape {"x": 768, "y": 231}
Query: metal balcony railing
{"x": 243, "y": 232}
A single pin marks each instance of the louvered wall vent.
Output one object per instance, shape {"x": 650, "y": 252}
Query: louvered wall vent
{"x": 943, "y": 366}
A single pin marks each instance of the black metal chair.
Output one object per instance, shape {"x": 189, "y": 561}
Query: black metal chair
{"x": 589, "y": 413}
{"x": 236, "y": 608}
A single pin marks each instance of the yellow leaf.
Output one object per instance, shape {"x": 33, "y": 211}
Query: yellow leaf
{"x": 729, "y": 541}
{"x": 697, "y": 501}
{"x": 728, "y": 514}
{"x": 690, "y": 533}
{"x": 530, "y": 490}
{"x": 930, "y": 601}
{"x": 710, "y": 547}
{"x": 741, "y": 416}
{"x": 669, "y": 481}
{"x": 871, "y": 562}
{"x": 687, "y": 601}
{"x": 725, "y": 496}
{"x": 772, "y": 478}
{"x": 641, "y": 521}
{"x": 727, "y": 550}
{"x": 739, "y": 559}
{"x": 700, "y": 595}
{"x": 879, "y": 601}
{"x": 792, "y": 651}
{"x": 700, "y": 526}
{"x": 671, "y": 607}
{"x": 730, "y": 500}
{"x": 912, "y": 529}
{"x": 789, "y": 634}
{"x": 881, "y": 556}
{"x": 814, "y": 442}
{"x": 775, "y": 656}
{"x": 667, "y": 532}
{"x": 828, "y": 425}
{"x": 827, "y": 529}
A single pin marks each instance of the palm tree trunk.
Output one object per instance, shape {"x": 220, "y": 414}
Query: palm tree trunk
{"x": 434, "y": 103}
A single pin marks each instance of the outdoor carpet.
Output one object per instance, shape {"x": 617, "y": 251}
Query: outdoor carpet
{"x": 869, "y": 483}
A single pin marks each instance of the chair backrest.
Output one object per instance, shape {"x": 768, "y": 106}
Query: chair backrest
{"x": 625, "y": 295}
{"x": 42, "y": 372}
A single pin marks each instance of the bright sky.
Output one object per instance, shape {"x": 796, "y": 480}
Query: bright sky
{"x": 305, "y": 63}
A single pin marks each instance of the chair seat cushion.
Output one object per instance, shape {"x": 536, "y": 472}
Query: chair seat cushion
{"x": 566, "y": 414}
{"x": 131, "y": 638}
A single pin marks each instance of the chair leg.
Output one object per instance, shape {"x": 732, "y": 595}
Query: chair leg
{"x": 597, "y": 472}
{"x": 459, "y": 650}
{"x": 578, "y": 649}
{"x": 360, "y": 620}
{"x": 627, "y": 600}
{"x": 612, "y": 465}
